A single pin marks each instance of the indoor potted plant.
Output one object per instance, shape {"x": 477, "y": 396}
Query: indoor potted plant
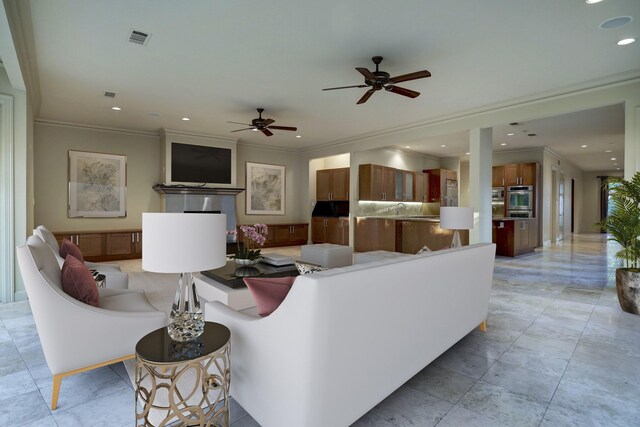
{"x": 623, "y": 226}
{"x": 253, "y": 238}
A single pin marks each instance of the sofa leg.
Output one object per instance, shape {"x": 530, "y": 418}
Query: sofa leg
{"x": 57, "y": 379}
{"x": 483, "y": 326}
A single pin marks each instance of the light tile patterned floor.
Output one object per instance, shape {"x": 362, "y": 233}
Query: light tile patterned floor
{"x": 558, "y": 352}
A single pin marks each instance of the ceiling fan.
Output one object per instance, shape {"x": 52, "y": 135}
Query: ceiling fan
{"x": 381, "y": 80}
{"x": 262, "y": 125}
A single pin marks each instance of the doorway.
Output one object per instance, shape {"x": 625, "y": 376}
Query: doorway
{"x": 560, "y": 235}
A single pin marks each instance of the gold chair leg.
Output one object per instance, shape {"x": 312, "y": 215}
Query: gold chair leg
{"x": 483, "y": 326}
{"x": 57, "y": 380}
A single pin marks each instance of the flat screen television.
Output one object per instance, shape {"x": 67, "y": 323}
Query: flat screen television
{"x": 200, "y": 164}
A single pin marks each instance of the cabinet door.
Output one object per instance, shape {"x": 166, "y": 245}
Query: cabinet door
{"x": 527, "y": 174}
{"x": 344, "y": 226}
{"x": 497, "y": 176}
{"x": 511, "y": 175}
{"x": 372, "y": 234}
{"x": 323, "y": 184}
{"x": 334, "y": 230}
{"x": 389, "y": 183}
{"x": 433, "y": 184}
{"x": 91, "y": 244}
{"x": 299, "y": 234}
{"x": 408, "y": 192}
{"x": 120, "y": 243}
{"x": 370, "y": 183}
{"x": 318, "y": 231}
{"x": 138, "y": 243}
{"x": 340, "y": 187}
{"x": 281, "y": 233}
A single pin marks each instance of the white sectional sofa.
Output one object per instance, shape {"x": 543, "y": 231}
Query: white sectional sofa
{"x": 346, "y": 338}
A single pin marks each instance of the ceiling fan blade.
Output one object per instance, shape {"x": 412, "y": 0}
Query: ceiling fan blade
{"x": 251, "y": 128}
{"x": 366, "y": 96}
{"x": 266, "y": 132}
{"x": 366, "y": 73}
{"x": 283, "y": 128}
{"x": 238, "y": 123}
{"x": 411, "y": 76}
{"x": 344, "y": 87}
{"x": 402, "y": 91}
{"x": 267, "y": 122}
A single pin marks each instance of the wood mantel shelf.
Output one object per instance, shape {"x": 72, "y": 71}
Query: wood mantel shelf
{"x": 196, "y": 190}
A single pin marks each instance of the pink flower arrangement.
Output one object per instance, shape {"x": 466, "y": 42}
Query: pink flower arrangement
{"x": 254, "y": 237}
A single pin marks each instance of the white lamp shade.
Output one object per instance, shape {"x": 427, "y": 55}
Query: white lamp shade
{"x": 183, "y": 242}
{"x": 456, "y": 218}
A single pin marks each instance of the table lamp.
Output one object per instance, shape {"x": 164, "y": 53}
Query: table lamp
{"x": 456, "y": 218}
{"x": 184, "y": 243}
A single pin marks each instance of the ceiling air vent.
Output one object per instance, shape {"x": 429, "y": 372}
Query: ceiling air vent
{"x": 110, "y": 94}
{"x": 138, "y": 37}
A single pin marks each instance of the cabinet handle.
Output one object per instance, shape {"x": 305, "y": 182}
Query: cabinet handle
{"x": 133, "y": 238}
{"x": 138, "y": 237}
{"x": 502, "y": 181}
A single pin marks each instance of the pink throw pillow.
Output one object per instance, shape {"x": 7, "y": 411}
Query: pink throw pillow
{"x": 269, "y": 292}
{"x": 69, "y": 248}
{"x": 78, "y": 282}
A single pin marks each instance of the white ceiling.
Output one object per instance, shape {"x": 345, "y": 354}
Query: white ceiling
{"x": 217, "y": 61}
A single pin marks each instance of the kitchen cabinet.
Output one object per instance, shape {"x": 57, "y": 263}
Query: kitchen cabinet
{"x": 497, "y": 176}
{"x": 376, "y": 182}
{"x": 520, "y": 174}
{"x": 421, "y": 193}
{"x": 332, "y": 184}
{"x": 515, "y": 237}
{"x": 100, "y": 246}
{"x": 372, "y": 234}
{"x": 418, "y": 233}
{"x": 330, "y": 230}
{"x": 283, "y": 235}
{"x": 442, "y": 187}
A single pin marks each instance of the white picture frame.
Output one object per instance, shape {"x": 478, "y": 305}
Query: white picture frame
{"x": 97, "y": 184}
{"x": 265, "y": 189}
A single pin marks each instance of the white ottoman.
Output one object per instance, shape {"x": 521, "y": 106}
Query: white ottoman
{"x": 327, "y": 255}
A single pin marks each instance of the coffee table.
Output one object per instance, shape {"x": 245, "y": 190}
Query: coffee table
{"x": 225, "y": 284}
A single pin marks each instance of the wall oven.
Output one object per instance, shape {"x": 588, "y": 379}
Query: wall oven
{"x": 520, "y": 197}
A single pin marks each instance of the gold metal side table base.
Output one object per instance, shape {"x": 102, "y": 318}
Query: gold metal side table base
{"x": 187, "y": 393}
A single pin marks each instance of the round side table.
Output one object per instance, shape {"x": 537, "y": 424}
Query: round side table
{"x": 184, "y": 382}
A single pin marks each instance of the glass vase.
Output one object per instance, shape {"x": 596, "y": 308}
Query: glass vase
{"x": 186, "y": 322}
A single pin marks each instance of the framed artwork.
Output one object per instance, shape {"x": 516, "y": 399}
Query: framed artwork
{"x": 265, "y": 189}
{"x": 97, "y": 184}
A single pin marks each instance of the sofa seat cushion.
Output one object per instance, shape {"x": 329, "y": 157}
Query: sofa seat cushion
{"x": 125, "y": 300}
{"x": 269, "y": 292}
{"x": 78, "y": 282}
{"x": 69, "y": 248}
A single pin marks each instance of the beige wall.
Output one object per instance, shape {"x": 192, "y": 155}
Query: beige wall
{"x": 591, "y": 200}
{"x": 51, "y": 162}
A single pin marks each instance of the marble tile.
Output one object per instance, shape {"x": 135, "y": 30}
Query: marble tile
{"x": 459, "y": 416}
{"x": 121, "y": 371}
{"x": 42, "y": 422}
{"x": 236, "y": 411}
{"x": 468, "y": 364}
{"x": 246, "y": 421}
{"x": 580, "y": 295}
{"x": 7, "y": 349}
{"x": 116, "y": 409}
{"x": 33, "y": 356}
{"x": 558, "y": 348}
{"x": 23, "y": 408}
{"x": 503, "y": 406}
{"x": 16, "y": 309}
{"x": 16, "y": 383}
{"x": 407, "y": 407}
{"x": 562, "y": 309}
{"x": 522, "y": 380}
{"x": 11, "y": 364}
{"x": 534, "y": 360}
{"x": 369, "y": 420}
{"x": 441, "y": 383}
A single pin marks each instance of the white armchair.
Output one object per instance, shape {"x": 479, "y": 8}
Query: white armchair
{"x": 77, "y": 337}
{"x": 114, "y": 277}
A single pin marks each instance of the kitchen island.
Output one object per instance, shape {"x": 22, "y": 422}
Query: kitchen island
{"x": 406, "y": 234}
{"x": 514, "y": 236}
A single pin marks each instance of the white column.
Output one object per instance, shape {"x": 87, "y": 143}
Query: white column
{"x": 480, "y": 164}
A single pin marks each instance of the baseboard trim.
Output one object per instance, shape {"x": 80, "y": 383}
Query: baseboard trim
{"x": 20, "y": 296}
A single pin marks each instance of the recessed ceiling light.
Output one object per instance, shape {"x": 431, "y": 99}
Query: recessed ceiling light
{"x": 625, "y": 42}
{"x": 514, "y": 123}
{"x": 510, "y": 134}
{"x": 443, "y": 146}
{"x": 504, "y": 143}
{"x": 467, "y": 153}
{"x": 186, "y": 119}
{"x": 297, "y": 136}
{"x": 607, "y": 151}
{"x": 407, "y": 146}
{"x": 616, "y": 22}
{"x": 584, "y": 146}
{"x": 613, "y": 158}
{"x": 254, "y": 130}
{"x": 593, "y": 1}
{"x": 116, "y": 108}
{"x": 617, "y": 169}
{"x": 152, "y": 114}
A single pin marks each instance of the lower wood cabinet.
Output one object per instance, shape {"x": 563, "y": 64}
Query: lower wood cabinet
{"x": 515, "y": 237}
{"x": 416, "y": 234}
{"x": 373, "y": 234}
{"x": 330, "y": 230}
{"x": 105, "y": 245}
{"x": 284, "y": 235}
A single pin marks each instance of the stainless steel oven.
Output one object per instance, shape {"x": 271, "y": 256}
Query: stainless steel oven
{"x": 497, "y": 202}
{"x": 497, "y": 194}
{"x": 520, "y": 197}
{"x": 519, "y": 214}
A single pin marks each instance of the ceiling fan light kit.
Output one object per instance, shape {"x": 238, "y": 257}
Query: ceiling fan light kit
{"x": 263, "y": 125}
{"x": 377, "y": 80}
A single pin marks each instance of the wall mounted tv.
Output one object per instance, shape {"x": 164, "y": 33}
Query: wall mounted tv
{"x": 200, "y": 164}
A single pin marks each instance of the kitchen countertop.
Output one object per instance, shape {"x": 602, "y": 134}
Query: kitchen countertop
{"x": 426, "y": 218}
{"x": 513, "y": 219}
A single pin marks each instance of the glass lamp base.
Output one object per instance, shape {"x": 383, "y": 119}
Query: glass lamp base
{"x": 186, "y": 322}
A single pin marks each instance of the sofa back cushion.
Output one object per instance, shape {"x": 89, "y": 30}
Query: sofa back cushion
{"x": 69, "y": 248}
{"x": 269, "y": 292}
{"x": 78, "y": 282}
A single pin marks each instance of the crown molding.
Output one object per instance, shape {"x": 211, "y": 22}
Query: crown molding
{"x": 58, "y": 123}
{"x": 164, "y": 132}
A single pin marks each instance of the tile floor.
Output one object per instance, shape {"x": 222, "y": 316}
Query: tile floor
{"x": 558, "y": 352}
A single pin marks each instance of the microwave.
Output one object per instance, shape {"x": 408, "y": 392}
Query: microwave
{"x": 497, "y": 194}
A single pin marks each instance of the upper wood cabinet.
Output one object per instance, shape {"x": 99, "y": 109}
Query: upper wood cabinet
{"x": 497, "y": 176}
{"x": 442, "y": 187}
{"x": 382, "y": 183}
{"x": 421, "y": 193}
{"x": 332, "y": 184}
{"x": 519, "y": 174}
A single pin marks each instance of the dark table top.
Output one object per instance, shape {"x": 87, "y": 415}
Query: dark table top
{"x": 158, "y": 347}
{"x": 232, "y": 274}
